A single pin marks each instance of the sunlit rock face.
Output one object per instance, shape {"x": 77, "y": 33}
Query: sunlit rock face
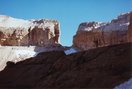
{"x": 97, "y": 34}
{"x": 42, "y": 32}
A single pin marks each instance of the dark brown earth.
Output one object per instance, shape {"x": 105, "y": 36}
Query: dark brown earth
{"x": 104, "y": 67}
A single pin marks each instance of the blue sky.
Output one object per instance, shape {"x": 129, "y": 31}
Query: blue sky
{"x": 70, "y": 13}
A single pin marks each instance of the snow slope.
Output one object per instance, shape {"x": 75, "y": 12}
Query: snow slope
{"x": 15, "y": 54}
{"x": 9, "y": 22}
{"x": 20, "y": 53}
{"x": 125, "y": 85}
{"x": 23, "y": 54}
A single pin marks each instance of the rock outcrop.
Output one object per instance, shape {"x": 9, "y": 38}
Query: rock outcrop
{"x": 16, "y": 32}
{"x": 130, "y": 30}
{"x": 104, "y": 67}
{"x": 97, "y": 34}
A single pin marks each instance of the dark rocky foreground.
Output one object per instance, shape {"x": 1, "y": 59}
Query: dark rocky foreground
{"x": 104, "y": 67}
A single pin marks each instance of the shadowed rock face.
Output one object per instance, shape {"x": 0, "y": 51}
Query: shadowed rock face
{"x": 104, "y": 67}
{"x": 130, "y": 30}
{"x": 20, "y": 32}
{"x": 97, "y": 34}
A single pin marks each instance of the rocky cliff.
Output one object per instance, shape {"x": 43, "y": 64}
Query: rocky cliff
{"x": 104, "y": 67}
{"x": 130, "y": 30}
{"x": 98, "y": 34}
{"x": 40, "y": 32}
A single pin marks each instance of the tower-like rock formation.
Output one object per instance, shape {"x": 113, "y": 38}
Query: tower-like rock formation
{"x": 42, "y": 32}
{"x": 98, "y": 34}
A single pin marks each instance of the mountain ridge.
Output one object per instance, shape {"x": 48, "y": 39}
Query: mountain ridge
{"x": 104, "y": 67}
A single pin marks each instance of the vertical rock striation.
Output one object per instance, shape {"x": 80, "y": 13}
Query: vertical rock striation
{"x": 42, "y": 32}
{"x": 98, "y": 34}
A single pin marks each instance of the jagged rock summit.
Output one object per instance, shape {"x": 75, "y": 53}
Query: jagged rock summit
{"x": 97, "y": 34}
{"x": 41, "y": 32}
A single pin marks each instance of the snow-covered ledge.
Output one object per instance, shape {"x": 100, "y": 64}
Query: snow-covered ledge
{"x": 71, "y": 51}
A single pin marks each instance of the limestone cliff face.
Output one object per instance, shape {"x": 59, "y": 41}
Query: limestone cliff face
{"x": 97, "y": 34}
{"x": 41, "y": 32}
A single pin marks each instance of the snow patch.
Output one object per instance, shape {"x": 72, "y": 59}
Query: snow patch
{"x": 125, "y": 85}
{"x": 9, "y": 22}
{"x": 23, "y": 54}
{"x": 119, "y": 23}
{"x": 15, "y": 54}
{"x": 71, "y": 51}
